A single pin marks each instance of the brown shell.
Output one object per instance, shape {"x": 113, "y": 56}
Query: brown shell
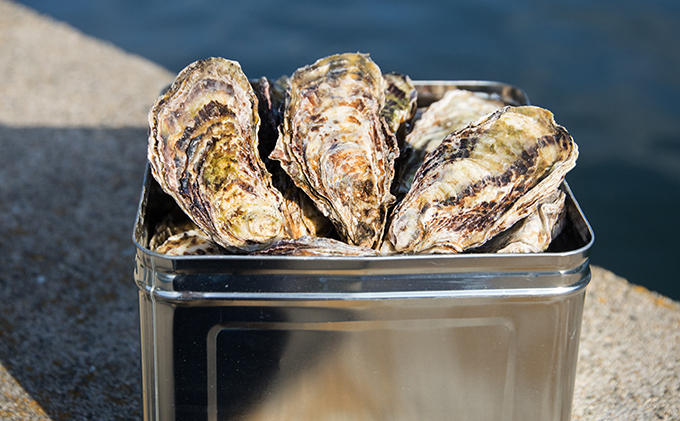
{"x": 177, "y": 235}
{"x": 203, "y": 151}
{"x": 481, "y": 180}
{"x": 334, "y": 144}
{"x": 303, "y": 218}
{"x": 271, "y": 100}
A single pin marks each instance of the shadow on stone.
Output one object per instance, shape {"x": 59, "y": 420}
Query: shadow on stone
{"x": 69, "y": 327}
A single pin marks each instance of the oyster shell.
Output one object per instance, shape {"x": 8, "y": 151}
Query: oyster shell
{"x": 456, "y": 109}
{"x": 316, "y": 246}
{"x": 335, "y": 147}
{"x": 177, "y": 235}
{"x": 534, "y": 233}
{"x": 481, "y": 180}
{"x": 400, "y": 101}
{"x": 203, "y": 151}
{"x": 173, "y": 223}
{"x": 189, "y": 243}
{"x": 271, "y": 100}
{"x": 302, "y": 216}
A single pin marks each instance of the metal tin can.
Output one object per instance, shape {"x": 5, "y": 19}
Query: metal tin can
{"x": 426, "y": 337}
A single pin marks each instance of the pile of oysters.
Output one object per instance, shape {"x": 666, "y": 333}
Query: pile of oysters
{"x": 336, "y": 160}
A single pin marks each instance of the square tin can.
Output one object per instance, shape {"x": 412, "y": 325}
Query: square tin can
{"x": 418, "y": 337}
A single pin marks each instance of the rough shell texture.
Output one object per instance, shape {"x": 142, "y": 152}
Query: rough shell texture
{"x": 456, "y": 109}
{"x": 189, "y": 243}
{"x": 481, "y": 180}
{"x": 316, "y": 246}
{"x": 203, "y": 150}
{"x": 335, "y": 147}
{"x": 400, "y": 100}
{"x": 173, "y": 223}
{"x": 534, "y": 233}
{"x": 302, "y": 216}
{"x": 177, "y": 235}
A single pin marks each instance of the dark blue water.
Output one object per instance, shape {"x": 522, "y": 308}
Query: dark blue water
{"x": 609, "y": 70}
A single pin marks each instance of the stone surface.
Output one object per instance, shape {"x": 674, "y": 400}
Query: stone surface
{"x": 73, "y": 135}
{"x": 54, "y": 76}
{"x": 629, "y": 358}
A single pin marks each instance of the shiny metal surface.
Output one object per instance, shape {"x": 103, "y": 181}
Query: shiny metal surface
{"x": 479, "y": 337}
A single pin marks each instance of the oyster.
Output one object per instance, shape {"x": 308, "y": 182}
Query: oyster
{"x": 335, "y": 147}
{"x": 456, "y": 109}
{"x": 177, "y": 235}
{"x": 316, "y": 246}
{"x": 481, "y": 180}
{"x": 203, "y": 151}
